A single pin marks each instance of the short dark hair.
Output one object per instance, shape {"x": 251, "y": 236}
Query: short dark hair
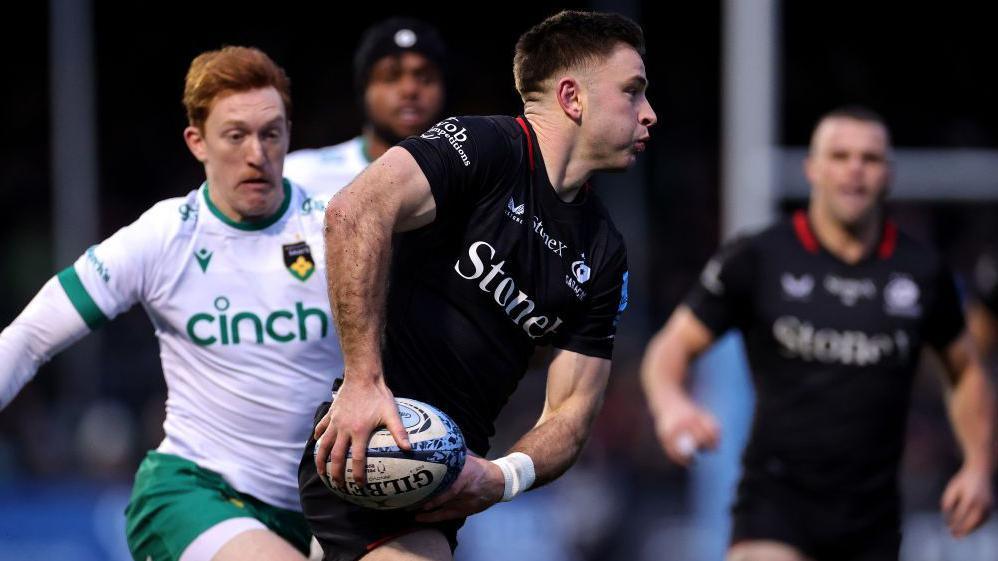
{"x": 569, "y": 39}
{"x": 856, "y": 113}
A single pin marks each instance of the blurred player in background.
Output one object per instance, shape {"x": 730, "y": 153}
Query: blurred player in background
{"x": 469, "y": 246}
{"x": 834, "y": 306}
{"x": 399, "y": 80}
{"x": 229, "y": 279}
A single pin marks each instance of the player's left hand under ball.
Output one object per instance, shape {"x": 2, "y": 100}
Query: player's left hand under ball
{"x": 479, "y": 486}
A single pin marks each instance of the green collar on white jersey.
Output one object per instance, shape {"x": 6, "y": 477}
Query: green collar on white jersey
{"x": 363, "y": 150}
{"x": 258, "y": 224}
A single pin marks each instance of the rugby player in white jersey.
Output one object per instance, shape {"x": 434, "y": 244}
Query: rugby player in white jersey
{"x": 228, "y": 276}
{"x": 399, "y": 81}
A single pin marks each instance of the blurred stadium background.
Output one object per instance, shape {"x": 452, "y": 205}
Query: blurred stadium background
{"x": 92, "y": 137}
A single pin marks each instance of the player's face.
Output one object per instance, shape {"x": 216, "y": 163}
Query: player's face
{"x": 849, "y": 169}
{"x": 242, "y": 147}
{"x": 617, "y": 114}
{"x": 404, "y": 95}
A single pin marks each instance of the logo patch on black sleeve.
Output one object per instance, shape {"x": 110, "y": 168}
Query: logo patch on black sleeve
{"x": 298, "y": 260}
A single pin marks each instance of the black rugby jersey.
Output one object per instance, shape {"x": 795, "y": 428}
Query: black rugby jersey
{"x": 505, "y": 266}
{"x": 832, "y": 347}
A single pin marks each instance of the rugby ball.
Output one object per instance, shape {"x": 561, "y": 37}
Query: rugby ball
{"x": 398, "y": 479}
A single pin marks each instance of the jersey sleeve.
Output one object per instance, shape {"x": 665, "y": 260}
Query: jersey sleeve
{"x": 460, "y": 157}
{"x": 113, "y": 275}
{"x": 595, "y": 332}
{"x": 720, "y": 298}
{"x": 47, "y": 325}
{"x": 944, "y": 320}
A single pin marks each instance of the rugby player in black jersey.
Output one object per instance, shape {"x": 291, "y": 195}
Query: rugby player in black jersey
{"x": 499, "y": 246}
{"x": 834, "y": 306}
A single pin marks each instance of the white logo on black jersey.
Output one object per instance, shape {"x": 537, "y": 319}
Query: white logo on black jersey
{"x": 850, "y": 291}
{"x": 515, "y": 211}
{"x": 710, "y": 278}
{"x": 801, "y": 339}
{"x": 455, "y": 136}
{"x": 556, "y": 246}
{"x": 515, "y": 303}
{"x": 580, "y": 275}
{"x": 581, "y": 270}
{"x": 796, "y": 288}
{"x": 901, "y": 297}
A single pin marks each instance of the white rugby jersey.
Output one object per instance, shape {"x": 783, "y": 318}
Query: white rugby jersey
{"x": 246, "y": 337}
{"x": 327, "y": 170}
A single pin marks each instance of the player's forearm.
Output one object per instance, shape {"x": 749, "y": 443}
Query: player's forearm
{"x": 664, "y": 371}
{"x": 972, "y": 410}
{"x": 558, "y": 438}
{"x": 47, "y": 325}
{"x": 358, "y": 249}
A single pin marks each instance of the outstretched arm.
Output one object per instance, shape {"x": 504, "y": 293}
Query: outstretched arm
{"x": 966, "y": 502}
{"x": 575, "y": 387}
{"x": 391, "y": 195}
{"x": 682, "y": 427}
{"x": 47, "y": 325}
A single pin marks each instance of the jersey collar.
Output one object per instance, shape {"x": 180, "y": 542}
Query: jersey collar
{"x": 539, "y": 175}
{"x": 806, "y": 237}
{"x": 255, "y": 225}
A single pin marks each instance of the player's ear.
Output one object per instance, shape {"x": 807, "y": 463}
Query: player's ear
{"x": 195, "y": 143}
{"x": 807, "y": 166}
{"x": 568, "y": 92}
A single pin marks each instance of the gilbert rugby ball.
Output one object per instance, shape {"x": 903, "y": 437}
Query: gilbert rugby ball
{"x": 398, "y": 479}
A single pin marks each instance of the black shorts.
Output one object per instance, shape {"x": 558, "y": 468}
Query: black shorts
{"x": 823, "y": 526}
{"x": 346, "y": 531}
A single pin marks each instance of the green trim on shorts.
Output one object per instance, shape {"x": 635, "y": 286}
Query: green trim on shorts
{"x": 78, "y": 295}
{"x": 174, "y": 501}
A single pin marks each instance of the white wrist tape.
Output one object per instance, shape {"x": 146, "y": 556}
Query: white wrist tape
{"x": 518, "y": 473}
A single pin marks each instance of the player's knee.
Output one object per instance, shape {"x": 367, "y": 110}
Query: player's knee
{"x": 759, "y": 550}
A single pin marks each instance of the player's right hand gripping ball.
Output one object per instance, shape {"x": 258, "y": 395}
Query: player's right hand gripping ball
{"x": 399, "y": 479}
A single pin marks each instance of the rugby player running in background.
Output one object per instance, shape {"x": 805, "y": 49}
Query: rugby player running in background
{"x": 228, "y": 276}
{"x": 399, "y": 81}
{"x": 834, "y": 306}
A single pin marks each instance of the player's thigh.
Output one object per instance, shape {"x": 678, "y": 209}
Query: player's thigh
{"x": 764, "y": 550}
{"x": 257, "y": 545}
{"x": 421, "y": 545}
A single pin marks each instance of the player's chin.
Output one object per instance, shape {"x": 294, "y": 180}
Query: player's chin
{"x": 854, "y": 215}
{"x": 406, "y": 129}
{"x": 623, "y": 163}
{"x": 256, "y": 206}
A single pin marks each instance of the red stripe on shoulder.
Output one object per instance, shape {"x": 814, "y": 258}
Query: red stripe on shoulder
{"x": 530, "y": 143}
{"x": 888, "y": 241}
{"x": 804, "y": 233}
